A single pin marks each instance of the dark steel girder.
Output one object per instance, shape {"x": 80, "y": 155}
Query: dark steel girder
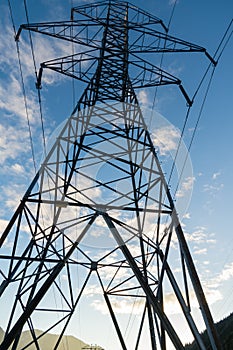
{"x": 148, "y": 75}
{"x": 160, "y": 42}
{"x": 136, "y": 16}
{"x": 143, "y": 283}
{"x": 126, "y": 150}
{"x": 32, "y": 304}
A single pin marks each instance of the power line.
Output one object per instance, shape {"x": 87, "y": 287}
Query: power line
{"x": 23, "y": 88}
{"x": 223, "y": 38}
{"x": 203, "y": 103}
{"x": 35, "y": 69}
{"x": 39, "y": 100}
{"x": 172, "y": 14}
{"x": 72, "y": 48}
{"x": 60, "y": 246}
{"x": 195, "y": 130}
{"x": 161, "y": 61}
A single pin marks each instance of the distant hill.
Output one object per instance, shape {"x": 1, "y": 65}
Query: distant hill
{"x": 48, "y": 341}
{"x": 1, "y": 334}
{"x": 225, "y": 331}
{"x": 224, "y": 328}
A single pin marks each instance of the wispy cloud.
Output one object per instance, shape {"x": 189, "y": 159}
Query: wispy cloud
{"x": 226, "y": 273}
{"x": 166, "y": 139}
{"x": 12, "y": 143}
{"x": 17, "y": 168}
{"x": 3, "y": 224}
{"x": 186, "y": 185}
{"x": 45, "y": 48}
{"x": 201, "y": 236}
{"x": 212, "y": 189}
{"x": 214, "y": 287}
{"x": 215, "y": 175}
{"x": 12, "y": 194}
{"x": 213, "y": 186}
{"x": 200, "y": 251}
{"x": 212, "y": 295}
{"x": 15, "y": 147}
{"x": 121, "y": 306}
{"x": 143, "y": 97}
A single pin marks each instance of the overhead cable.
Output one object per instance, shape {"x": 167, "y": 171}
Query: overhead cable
{"x": 23, "y": 88}
{"x": 226, "y": 37}
{"x": 35, "y": 69}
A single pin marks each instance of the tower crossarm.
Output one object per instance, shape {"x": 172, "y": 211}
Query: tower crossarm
{"x": 100, "y": 205}
{"x": 143, "y": 40}
{"x": 81, "y": 32}
{"x": 83, "y": 67}
{"x": 79, "y": 66}
{"x": 136, "y": 16}
{"x": 149, "y": 40}
{"x": 87, "y": 29}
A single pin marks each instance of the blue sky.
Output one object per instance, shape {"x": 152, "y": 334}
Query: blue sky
{"x": 207, "y": 220}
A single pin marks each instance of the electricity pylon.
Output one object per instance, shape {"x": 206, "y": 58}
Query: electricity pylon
{"x": 100, "y": 205}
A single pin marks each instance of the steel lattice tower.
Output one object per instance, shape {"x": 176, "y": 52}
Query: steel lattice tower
{"x": 102, "y": 181}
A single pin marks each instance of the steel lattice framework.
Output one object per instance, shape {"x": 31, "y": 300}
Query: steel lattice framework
{"x": 100, "y": 205}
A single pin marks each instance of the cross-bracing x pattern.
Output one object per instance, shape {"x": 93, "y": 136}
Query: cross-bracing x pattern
{"x": 99, "y": 211}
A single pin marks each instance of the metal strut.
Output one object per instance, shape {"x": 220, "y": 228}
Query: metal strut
{"x": 100, "y": 205}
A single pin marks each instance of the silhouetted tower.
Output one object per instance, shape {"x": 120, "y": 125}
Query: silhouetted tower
{"x": 99, "y": 208}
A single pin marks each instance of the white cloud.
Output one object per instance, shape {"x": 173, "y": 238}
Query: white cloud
{"x": 172, "y": 305}
{"x": 121, "y": 305}
{"x": 93, "y": 290}
{"x": 200, "y": 251}
{"x": 12, "y": 194}
{"x": 212, "y": 189}
{"x": 186, "y": 186}
{"x": 188, "y": 183}
{"x": 49, "y": 49}
{"x": 212, "y": 295}
{"x": 200, "y": 237}
{"x": 215, "y": 175}
{"x": 3, "y": 224}
{"x": 14, "y": 133}
{"x": 13, "y": 103}
{"x": 227, "y": 273}
{"x": 187, "y": 216}
{"x": 11, "y": 94}
{"x": 212, "y": 287}
{"x": 166, "y": 139}
{"x": 142, "y": 97}
{"x": 206, "y": 262}
{"x": 17, "y": 168}
{"x": 12, "y": 143}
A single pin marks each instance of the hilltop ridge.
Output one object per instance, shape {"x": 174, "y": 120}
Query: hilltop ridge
{"x": 224, "y": 328}
{"x": 225, "y": 331}
{"x": 48, "y": 341}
